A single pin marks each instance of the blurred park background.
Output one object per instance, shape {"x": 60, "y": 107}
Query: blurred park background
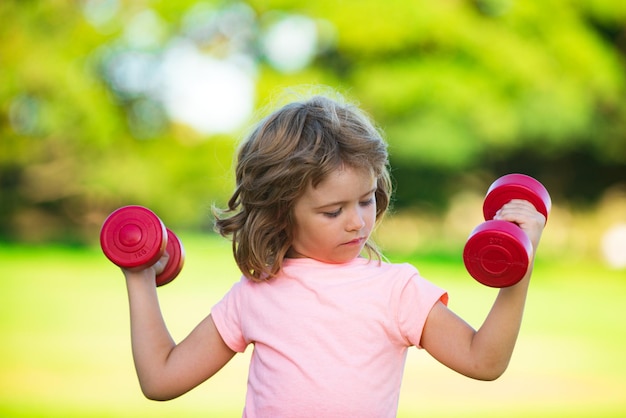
{"x": 105, "y": 103}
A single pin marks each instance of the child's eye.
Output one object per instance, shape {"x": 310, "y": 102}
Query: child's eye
{"x": 333, "y": 214}
{"x": 367, "y": 202}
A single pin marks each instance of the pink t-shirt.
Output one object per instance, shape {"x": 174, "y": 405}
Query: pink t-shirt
{"x": 330, "y": 340}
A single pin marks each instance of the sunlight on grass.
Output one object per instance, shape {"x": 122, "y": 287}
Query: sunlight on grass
{"x": 66, "y": 351}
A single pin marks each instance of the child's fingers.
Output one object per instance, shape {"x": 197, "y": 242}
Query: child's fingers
{"x": 524, "y": 214}
{"x": 148, "y": 273}
{"x": 519, "y": 211}
{"x": 160, "y": 265}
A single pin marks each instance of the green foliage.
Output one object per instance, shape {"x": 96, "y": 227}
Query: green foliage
{"x": 461, "y": 88}
{"x": 68, "y": 153}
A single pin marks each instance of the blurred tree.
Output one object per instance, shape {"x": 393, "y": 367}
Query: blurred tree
{"x": 105, "y": 103}
{"x": 488, "y": 87}
{"x": 74, "y": 146}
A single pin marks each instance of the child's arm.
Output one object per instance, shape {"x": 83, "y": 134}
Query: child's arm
{"x": 167, "y": 370}
{"x": 485, "y": 354}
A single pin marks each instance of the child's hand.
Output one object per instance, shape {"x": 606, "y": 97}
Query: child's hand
{"x": 526, "y": 216}
{"x": 148, "y": 273}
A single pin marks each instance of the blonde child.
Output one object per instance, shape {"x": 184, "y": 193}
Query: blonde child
{"x": 329, "y": 320}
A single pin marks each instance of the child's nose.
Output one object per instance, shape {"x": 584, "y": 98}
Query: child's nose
{"x": 356, "y": 221}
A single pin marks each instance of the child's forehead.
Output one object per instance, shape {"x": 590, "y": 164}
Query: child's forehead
{"x": 343, "y": 183}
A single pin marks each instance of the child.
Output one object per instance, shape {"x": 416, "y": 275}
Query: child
{"x": 330, "y": 328}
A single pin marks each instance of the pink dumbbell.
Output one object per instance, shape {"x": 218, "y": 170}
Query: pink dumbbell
{"x": 497, "y": 253}
{"x": 134, "y": 237}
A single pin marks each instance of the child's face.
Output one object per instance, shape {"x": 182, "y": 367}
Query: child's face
{"x": 334, "y": 220}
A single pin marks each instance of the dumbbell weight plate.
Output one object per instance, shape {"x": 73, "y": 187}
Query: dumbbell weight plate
{"x": 516, "y": 186}
{"x": 176, "y": 260}
{"x": 497, "y": 253}
{"x": 133, "y": 236}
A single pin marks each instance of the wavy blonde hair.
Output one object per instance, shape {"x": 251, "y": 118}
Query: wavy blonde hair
{"x": 294, "y": 147}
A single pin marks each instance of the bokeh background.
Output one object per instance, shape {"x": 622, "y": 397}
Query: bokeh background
{"x": 105, "y": 103}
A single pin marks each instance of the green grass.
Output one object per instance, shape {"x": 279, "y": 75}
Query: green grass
{"x": 65, "y": 350}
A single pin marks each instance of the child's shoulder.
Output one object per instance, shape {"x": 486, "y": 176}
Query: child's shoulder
{"x": 397, "y": 267}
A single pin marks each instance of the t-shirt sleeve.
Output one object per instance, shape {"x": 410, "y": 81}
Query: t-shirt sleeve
{"x": 417, "y": 298}
{"x": 227, "y": 316}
